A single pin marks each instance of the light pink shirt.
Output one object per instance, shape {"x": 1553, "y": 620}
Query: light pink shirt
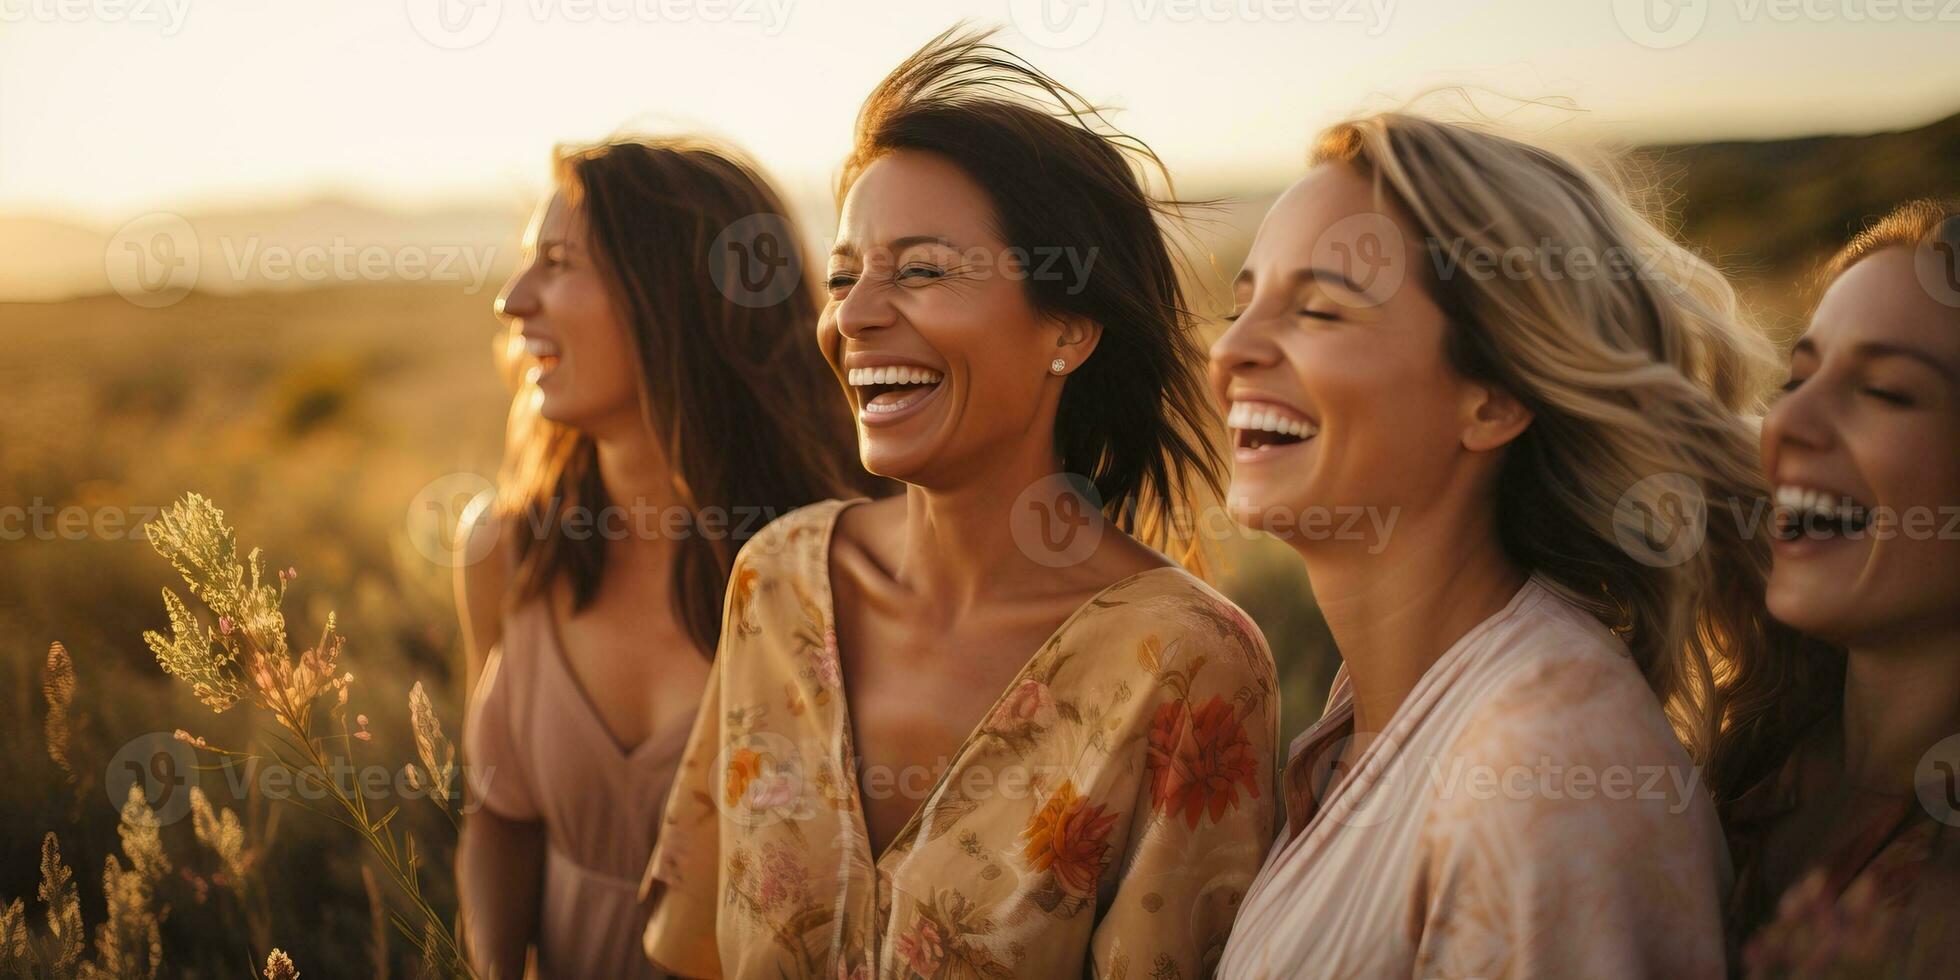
{"x": 539, "y": 751}
{"x": 1527, "y": 811}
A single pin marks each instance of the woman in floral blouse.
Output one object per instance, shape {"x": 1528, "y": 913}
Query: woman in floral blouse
{"x": 982, "y": 729}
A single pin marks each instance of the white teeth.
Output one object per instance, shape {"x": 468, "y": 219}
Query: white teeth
{"x": 1249, "y": 415}
{"x": 893, "y": 375}
{"x": 540, "y": 347}
{"x": 1804, "y": 500}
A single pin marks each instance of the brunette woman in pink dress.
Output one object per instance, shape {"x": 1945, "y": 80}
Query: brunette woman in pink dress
{"x": 673, "y": 404}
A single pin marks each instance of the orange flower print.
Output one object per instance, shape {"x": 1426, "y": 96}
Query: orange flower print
{"x": 923, "y": 949}
{"x": 743, "y": 767}
{"x": 1199, "y": 759}
{"x": 1070, "y": 837}
{"x": 744, "y": 588}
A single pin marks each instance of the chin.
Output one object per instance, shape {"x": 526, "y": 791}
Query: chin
{"x": 1813, "y": 611}
{"x": 1254, "y": 506}
{"x": 555, "y": 413}
{"x": 886, "y": 463}
{"x": 556, "y": 410}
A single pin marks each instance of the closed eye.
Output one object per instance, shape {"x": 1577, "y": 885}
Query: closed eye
{"x": 920, "y": 272}
{"x": 1888, "y": 395}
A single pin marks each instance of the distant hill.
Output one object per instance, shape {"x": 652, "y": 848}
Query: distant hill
{"x": 1772, "y": 207}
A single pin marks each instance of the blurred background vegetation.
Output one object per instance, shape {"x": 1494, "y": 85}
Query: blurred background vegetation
{"x": 314, "y": 417}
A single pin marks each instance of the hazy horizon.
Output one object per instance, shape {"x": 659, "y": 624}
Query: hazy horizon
{"x": 134, "y": 106}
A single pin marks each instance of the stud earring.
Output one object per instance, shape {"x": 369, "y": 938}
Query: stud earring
{"x": 1057, "y": 366}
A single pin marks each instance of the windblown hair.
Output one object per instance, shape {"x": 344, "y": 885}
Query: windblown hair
{"x": 1133, "y": 417}
{"x": 1646, "y": 367}
{"x": 736, "y": 394}
{"x": 1916, "y": 223}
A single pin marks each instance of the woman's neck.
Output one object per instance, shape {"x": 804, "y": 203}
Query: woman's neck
{"x": 640, "y": 494}
{"x": 1394, "y": 613}
{"x": 1900, "y": 697}
{"x": 961, "y": 541}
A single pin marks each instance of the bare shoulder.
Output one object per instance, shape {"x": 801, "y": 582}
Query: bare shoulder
{"x": 482, "y": 556}
{"x": 874, "y": 527}
{"x": 1123, "y": 556}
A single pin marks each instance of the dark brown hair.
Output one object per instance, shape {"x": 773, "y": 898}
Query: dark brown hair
{"x": 736, "y": 393}
{"x": 1133, "y": 417}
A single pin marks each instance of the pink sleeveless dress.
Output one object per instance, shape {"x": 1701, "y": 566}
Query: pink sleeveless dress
{"x": 539, "y": 751}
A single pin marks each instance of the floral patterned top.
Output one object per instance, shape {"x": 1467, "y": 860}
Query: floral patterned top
{"x": 1105, "y": 817}
{"x": 1880, "y": 900}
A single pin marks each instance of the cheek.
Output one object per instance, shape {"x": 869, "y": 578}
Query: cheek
{"x": 1380, "y": 399}
{"x": 997, "y": 336}
{"x": 1911, "y": 465}
{"x": 598, "y": 353}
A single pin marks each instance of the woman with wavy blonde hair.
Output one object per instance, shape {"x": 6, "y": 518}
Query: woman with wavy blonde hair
{"x": 1550, "y": 406}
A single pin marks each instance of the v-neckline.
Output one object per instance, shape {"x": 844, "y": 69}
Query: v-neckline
{"x": 910, "y": 827}
{"x": 555, "y": 639}
{"x": 1434, "y": 683}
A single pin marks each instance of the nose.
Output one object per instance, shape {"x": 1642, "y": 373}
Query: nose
{"x": 1801, "y": 420}
{"x": 866, "y": 307}
{"x": 1242, "y": 347}
{"x": 519, "y": 298}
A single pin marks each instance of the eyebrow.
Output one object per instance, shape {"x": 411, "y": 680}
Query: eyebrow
{"x": 1309, "y": 274}
{"x": 1876, "y": 349}
{"x": 849, "y": 250}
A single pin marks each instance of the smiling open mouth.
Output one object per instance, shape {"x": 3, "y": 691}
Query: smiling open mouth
{"x": 1260, "y": 426}
{"x": 891, "y": 390}
{"x": 1805, "y": 513}
{"x": 544, "y": 353}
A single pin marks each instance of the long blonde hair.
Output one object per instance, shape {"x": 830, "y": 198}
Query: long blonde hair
{"x": 1644, "y": 370}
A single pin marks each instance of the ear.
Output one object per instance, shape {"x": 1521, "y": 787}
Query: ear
{"x": 1076, "y": 339}
{"x": 1492, "y": 417}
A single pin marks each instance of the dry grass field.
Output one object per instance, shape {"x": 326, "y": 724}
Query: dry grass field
{"x": 314, "y": 417}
